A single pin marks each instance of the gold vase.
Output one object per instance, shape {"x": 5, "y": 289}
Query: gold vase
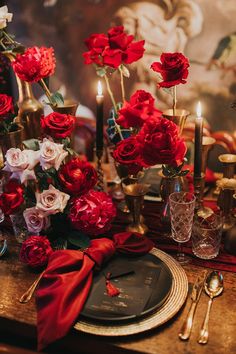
{"x": 134, "y": 195}
{"x": 11, "y": 140}
{"x": 70, "y": 107}
{"x": 225, "y": 199}
{"x": 179, "y": 117}
{"x": 30, "y": 109}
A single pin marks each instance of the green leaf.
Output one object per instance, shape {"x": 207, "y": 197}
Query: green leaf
{"x": 100, "y": 71}
{"x": 57, "y": 99}
{"x": 78, "y": 239}
{"x": 31, "y": 144}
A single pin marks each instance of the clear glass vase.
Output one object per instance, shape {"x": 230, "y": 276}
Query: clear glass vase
{"x": 19, "y": 226}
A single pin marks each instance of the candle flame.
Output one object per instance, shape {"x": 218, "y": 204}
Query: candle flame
{"x": 99, "y": 88}
{"x": 199, "y": 110}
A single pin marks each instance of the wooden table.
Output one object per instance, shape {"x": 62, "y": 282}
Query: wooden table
{"x": 18, "y": 321}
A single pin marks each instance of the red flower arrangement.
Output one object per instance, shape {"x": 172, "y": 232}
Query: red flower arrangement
{"x": 35, "y": 251}
{"x": 92, "y": 213}
{"x": 58, "y": 125}
{"x": 173, "y": 69}
{"x": 35, "y": 64}
{"x": 113, "y": 49}
{"x": 139, "y": 109}
{"x": 77, "y": 177}
{"x": 6, "y": 106}
{"x": 160, "y": 143}
{"x": 12, "y": 198}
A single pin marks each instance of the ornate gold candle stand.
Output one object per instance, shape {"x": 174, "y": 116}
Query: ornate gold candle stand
{"x": 179, "y": 117}
{"x": 134, "y": 195}
{"x": 100, "y": 183}
{"x": 227, "y": 186}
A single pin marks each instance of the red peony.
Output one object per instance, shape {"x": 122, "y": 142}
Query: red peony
{"x": 12, "y": 197}
{"x": 92, "y": 213}
{"x": 35, "y": 64}
{"x": 35, "y": 251}
{"x": 114, "y": 49}
{"x": 128, "y": 152}
{"x": 77, "y": 177}
{"x": 173, "y": 69}
{"x": 6, "y": 105}
{"x": 58, "y": 125}
{"x": 140, "y": 108}
{"x": 160, "y": 143}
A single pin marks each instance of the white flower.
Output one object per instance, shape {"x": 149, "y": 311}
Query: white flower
{"x": 51, "y": 154}
{"x": 21, "y": 163}
{"x": 5, "y": 16}
{"x": 51, "y": 201}
{"x": 36, "y": 220}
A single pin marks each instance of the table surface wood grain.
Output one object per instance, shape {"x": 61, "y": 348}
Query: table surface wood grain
{"x": 19, "y": 320}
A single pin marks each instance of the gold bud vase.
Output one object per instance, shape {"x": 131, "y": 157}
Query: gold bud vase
{"x": 179, "y": 117}
{"x": 11, "y": 140}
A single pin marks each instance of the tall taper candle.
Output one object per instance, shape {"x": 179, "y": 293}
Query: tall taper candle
{"x": 198, "y": 142}
{"x": 99, "y": 122}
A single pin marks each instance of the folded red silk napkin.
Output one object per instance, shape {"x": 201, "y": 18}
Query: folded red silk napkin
{"x": 66, "y": 282}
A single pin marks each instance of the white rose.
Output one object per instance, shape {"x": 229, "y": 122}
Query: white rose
{"x": 21, "y": 163}
{"x": 5, "y": 16}
{"x": 51, "y": 201}
{"x": 36, "y": 220}
{"x": 51, "y": 154}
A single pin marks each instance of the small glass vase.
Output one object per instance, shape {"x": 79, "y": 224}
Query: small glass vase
{"x": 19, "y": 226}
{"x": 169, "y": 185}
{"x": 134, "y": 195}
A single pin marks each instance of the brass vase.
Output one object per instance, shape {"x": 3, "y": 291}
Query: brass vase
{"x": 30, "y": 109}
{"x": 179, "y": 117}
{"x": 225, "y": 199}
{"x": 70, "y": 107}
{"x": 134, "y": 195}
{"x": 169, "y": 185}
{"x": 11, "y": 140}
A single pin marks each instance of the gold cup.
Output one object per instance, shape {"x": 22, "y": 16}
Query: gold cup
{"x": 179, "y": 117}
{"x": 134, "y": 195}
{"x": 69, "y": 107}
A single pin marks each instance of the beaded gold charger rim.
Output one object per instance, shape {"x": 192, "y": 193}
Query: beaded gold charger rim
{"x": 171, "y": 306}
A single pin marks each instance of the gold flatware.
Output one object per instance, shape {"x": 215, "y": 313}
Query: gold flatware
{"x": 26, "y": 297}
{"x": 213, "y": 287}
{"x": 195, "y": 296}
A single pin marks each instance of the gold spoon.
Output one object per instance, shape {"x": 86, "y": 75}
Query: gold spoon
{"x": 29, "y": 293}
{"x": 213, "y": 287}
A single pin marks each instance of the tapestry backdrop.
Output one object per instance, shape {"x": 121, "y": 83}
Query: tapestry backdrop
{"x": 204, "y": 30}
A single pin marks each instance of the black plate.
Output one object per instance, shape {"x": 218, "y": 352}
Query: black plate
{"x": 141, "y": 292}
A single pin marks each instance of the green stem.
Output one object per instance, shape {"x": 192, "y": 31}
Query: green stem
{"x": 174, "y": 99}
{"x": 47, "y": 92}
{"x": 110, "y": 93}
{"x": 122, "y": 84}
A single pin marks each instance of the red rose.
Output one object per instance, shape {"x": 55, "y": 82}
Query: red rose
{"x": 92, "y": 213}
{"x": 160, "y": 143}
{"x": 127, "y": 152}
{"x": 12, "y": 197}
{"x": 77, "y": 177}
{"x": 58, "y": 125}
{"x": 35, "y": 251}
{"x": 96, "y": 43}
{"x": 140, "y": 108}
{"x": 118, "y": 39}
{"x": 173, "y": 69}
{"x": 35, "y": 64}
{"x": 6, "y": 105}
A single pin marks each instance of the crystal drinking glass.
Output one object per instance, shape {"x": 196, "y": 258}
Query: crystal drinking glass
{"x": 182, "y": 206}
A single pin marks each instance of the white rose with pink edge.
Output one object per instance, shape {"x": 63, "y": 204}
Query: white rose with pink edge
{"x": 36, "y": 220}
{"x": 21, "y": 164}
{"x": 51, "y": 201}
{"x": 5, "y": 16}
{"x": 51, "y": 154}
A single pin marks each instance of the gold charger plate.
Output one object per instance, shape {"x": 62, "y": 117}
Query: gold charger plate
{"x": 163, "y": 314}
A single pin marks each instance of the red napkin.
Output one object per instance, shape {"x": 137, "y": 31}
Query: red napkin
{"x": 66, "y": 282}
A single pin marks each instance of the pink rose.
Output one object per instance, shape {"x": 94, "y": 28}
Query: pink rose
{"x": 51, "y": 201}
{"x": 36, "y": 220}
{"x": 51, "y": 154}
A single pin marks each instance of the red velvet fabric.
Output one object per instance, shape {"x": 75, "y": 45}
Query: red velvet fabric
{"x": 66, "y": 282}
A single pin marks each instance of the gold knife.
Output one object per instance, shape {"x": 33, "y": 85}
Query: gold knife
{"x": 195, "y": 296}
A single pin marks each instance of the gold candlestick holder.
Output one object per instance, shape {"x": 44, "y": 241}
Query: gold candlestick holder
{"x": 227, "y": 187}
{"x": 100, "y": 184}
{"x": 179, "y": 117}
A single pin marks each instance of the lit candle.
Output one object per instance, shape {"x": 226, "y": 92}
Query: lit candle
{"x": 99, "y": 123}
{"x": 198, "y": 142}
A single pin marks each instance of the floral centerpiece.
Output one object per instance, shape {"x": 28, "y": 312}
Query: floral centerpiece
{"x": 53, "y": 188}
